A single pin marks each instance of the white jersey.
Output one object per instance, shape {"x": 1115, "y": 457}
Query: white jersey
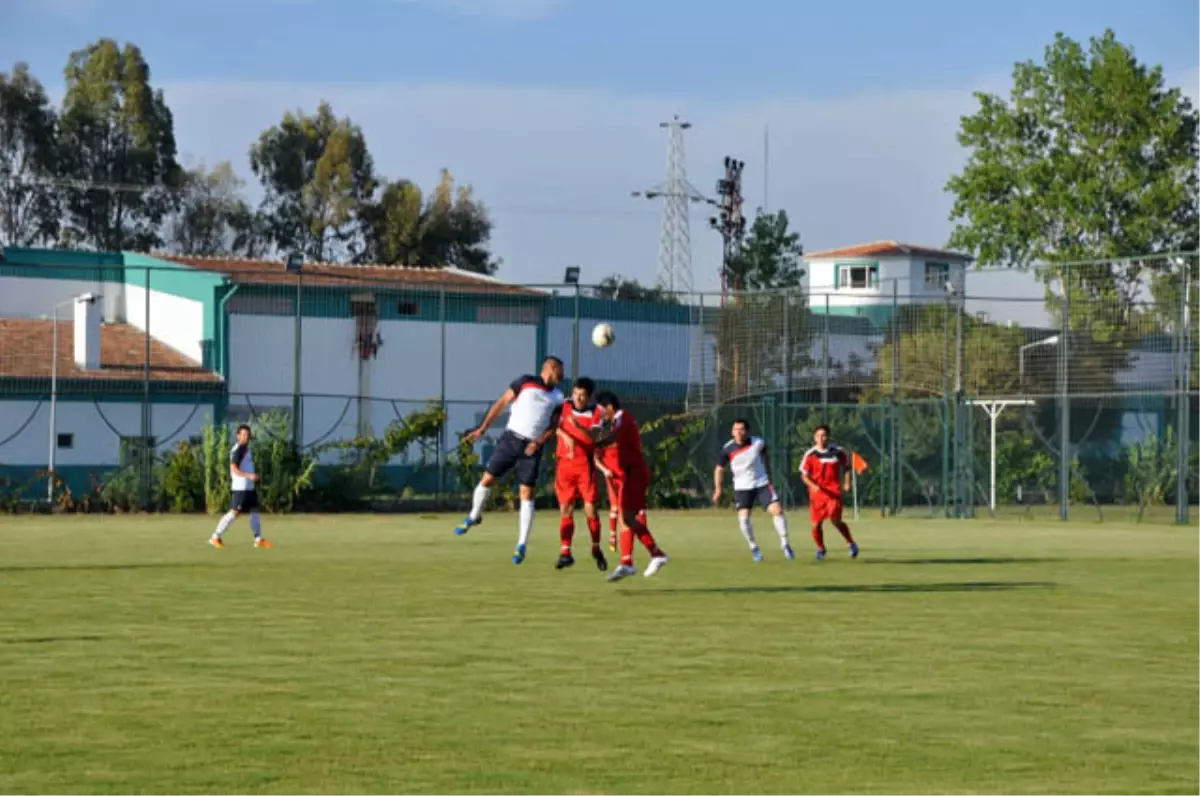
{"x": 534, "y": 408}
{"x": 241, "y": 457}
{"x": 746, "y": 463}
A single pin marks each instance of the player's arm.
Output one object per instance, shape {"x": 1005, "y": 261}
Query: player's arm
{"x": 805, "y": 477}
{"x": 719, "y": 475}
{"x": 551, "y": 430}
{"x": 235, "y": 459}
{"x": 567, "y": 440}
{"x": 499, "y": 406}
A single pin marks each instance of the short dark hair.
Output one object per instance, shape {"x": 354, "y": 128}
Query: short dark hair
{"x": 584, "y": 383}
{"x": 821, "y": 427}
{"x": 607, "y": 398}
{"x": 239, "y": 428}
{"x": 742, "y": 421}
{"x": 554, "y": 359}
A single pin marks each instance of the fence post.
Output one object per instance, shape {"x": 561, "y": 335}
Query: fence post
{"x": 297, "y": 355}
{"x": 787, "y": 348}
{"x": 444, "y": 436}
{"x": 959, "y": 417}
{"x": 825, "y": 365}
{"x": 945, "y": 490}
{"x": 147, "y": 450}
{"x": 575, "y": 339}
{"x": 894, "y": 443}
{"x": 1183, "y": 434}
{"x": 1064, "y": 407}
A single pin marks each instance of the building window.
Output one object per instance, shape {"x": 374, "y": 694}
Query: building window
{"x": 66, "y": 441}
{"x": 858, "y": 276}
{"x": 936, "y": 276}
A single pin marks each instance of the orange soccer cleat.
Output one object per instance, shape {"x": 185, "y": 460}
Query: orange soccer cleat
{"x": 215, "y": 542}
{"x": 260, "y": 542}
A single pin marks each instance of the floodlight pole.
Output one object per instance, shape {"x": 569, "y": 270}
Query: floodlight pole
{"x": 993, "y": 409}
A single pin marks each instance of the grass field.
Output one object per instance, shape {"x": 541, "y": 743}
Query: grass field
{"x": 384, "y": 654}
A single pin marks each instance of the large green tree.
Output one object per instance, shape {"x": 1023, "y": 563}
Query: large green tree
{"x": 214, "y": 218}
{"x": 1091, "y": 157}
{"x": 449, "y": 227}
{"x": 29, "y": 210}
{"x": 318, "y": 177}
{"x": 118, "y": 148}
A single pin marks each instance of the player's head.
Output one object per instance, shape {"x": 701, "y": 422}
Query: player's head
{"x": 740, "y": 431}
{"x": 552, "y": 371}
{"x": 609, "y": 402}
{"x": 582, "y": 391}
{"x": 821, "y": 436}
{"x": 243, "y": 434}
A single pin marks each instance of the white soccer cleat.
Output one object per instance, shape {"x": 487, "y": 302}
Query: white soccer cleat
{"x": 655, "y": 565}
{"x": 623, "y": 571}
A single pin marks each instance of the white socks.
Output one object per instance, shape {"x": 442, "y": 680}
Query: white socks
{"x": 477, "y": 501}
{"x": 747, "y": 529}
{"x": 256, "y": 524}
{"x": 526, "y": 521}
{"x": 781, "y": 528}
{"x": 224, "y": 524}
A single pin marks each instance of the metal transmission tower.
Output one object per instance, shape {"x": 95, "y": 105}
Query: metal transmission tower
{"x": 675, "y": 238}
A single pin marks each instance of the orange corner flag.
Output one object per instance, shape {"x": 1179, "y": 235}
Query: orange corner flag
{"x": 858, "y": 463}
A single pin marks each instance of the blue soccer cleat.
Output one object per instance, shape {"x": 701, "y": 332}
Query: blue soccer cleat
{"x": 788, "y": 553}
{"x": 519, "y": 556}
{"x": 757, "y": 555}
{"x": 854, "y": 550}
{"x": 820, "y": 554}
{"x": 467, "y": 525}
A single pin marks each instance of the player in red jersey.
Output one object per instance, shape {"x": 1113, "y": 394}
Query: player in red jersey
{"x": 575, "y": 471}
{"x": 606, "y": 458}
{"x": 632, "y": 477}
{"x": 825, "y": 469}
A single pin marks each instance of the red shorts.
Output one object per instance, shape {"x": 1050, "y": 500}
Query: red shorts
{"x": 631, "y": 492}
{"x": 824, "y": 507}
{"x": 575, "y": 483}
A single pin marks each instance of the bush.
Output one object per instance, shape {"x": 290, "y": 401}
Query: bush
{"x": 183, "y": 479}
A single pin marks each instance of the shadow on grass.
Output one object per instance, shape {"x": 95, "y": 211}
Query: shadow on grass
{"x": 995, "y": 560}
{"x": 49, "y": 639}
{"x": 864, "y": 588}
{"x": 102, "y": 567}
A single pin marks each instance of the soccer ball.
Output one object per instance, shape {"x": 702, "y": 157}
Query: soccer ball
{"x": 602, "y": 335}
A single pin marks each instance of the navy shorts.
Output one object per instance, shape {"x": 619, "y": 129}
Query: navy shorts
{"x": 244, "y": 500}
{"x": 510, "y": 454}
{"x": 746, "y": 498}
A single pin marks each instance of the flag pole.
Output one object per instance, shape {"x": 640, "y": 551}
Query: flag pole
{"x": 854, "y": 477}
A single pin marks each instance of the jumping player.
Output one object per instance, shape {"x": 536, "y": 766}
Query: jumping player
{"x": 632, "y": 476}
{"x": 536, "y": 406}
{"x": 746, "y": 456}
{"x": 606, "y": 459}
{"x": 575, "y": 471}
{"x": 244, "y": 498}
{"x": 825, "y": 469}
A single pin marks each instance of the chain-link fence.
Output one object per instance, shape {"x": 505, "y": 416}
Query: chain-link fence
{"x": 121, "y": 375}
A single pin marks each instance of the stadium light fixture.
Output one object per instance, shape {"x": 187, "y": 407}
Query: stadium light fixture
{"x": 571, "y": 275}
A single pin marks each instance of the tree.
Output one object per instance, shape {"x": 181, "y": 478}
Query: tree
{"x": 764, "y": 337}
{"x": 318, "y": 176}
{"x": 448, "y": 228}
{"x": 618, "y": 288}
{"x": 117, "y": 134}
{"x": 29, "y": 211}
{"x": 1091, "y": 158}
{"x": 213, "y": 218}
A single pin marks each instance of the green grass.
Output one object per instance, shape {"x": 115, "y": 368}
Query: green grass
{"x": 383, "y": 654}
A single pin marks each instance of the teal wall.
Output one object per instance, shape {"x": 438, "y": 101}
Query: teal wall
{"x": 63, "y": 264}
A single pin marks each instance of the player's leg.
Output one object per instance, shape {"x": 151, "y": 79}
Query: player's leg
{"x": 633, "y": 502}
{"x": 226, "y": 520}
{"x": 566, "y": 489}
{"x": 614, "y": 513}
{"x": 835, "y": 516}
{"x": 527, "y": 474}
{"x": 816, "y": 512}
{"x": 775, "y": 508}
{"x": 588, "y": 492}
{"x": 742, "y": 501}
{"x": 250, "y": 504}
{"x": 503, "y": 458}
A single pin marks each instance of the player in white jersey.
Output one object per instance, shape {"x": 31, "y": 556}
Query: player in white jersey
{"x": 245, "y": 499}
{"x": 535, "y": 404}
{"x": 746, "y": 456}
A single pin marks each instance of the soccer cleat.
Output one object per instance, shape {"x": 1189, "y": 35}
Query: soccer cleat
{"x": 261, "y": 542}
{"x": 854, "y": 550}
{"x": 656, "y": 563}
{"x": 821, "y": 554}
{"x": 756, "y": 554}
{"x": 216, "y": 542}
{"x": 467, "y": 525}
{"x": 601, "y": 561}
{"x": 565, "y": 560}
{"x": 788, "y": 553}
{"x": 623, "y": 571}
{"x": 519, "y": 556}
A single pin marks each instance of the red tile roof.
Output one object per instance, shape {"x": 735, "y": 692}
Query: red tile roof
{"x": 26, "y": 343}
{"x": 399, "y": 276}
{"x": 887, "y": 248}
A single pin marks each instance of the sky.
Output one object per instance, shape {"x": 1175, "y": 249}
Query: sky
{"x": 550, "y": 109}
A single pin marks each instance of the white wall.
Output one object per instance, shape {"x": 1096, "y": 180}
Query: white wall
{"x": 904, "y": 275}
{"x": 174, "y": 321}
{"x": 27, "y": 297}
{"x": 95, "y": 444}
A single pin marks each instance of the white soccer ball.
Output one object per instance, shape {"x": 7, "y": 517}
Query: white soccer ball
{"x": 602, "y": 335}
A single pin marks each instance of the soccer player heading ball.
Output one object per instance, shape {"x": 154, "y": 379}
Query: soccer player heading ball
{"x": 825, "y": 469}
{"x": 575, "y": 471}
{"x": 746, "y": 456}
{"x": 537, "y": 405}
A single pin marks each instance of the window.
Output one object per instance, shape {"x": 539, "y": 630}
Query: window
{"x": 936, "y": 276}
{"x": 861, "y": 276}
{"x": 66, "y": 440}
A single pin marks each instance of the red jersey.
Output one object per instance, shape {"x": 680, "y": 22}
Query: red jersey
{"x": 627, "y": 445}
{"x": 826, "y": 468}
{"x": 584, "y": 444}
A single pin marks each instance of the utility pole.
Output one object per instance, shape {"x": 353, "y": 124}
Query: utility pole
{"x": 730, "y": 222}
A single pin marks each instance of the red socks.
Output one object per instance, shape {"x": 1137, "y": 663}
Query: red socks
{"x": 566, "y": 532}
{"x": 627, "y": 546}
{"x": 593, "y": 524}
{"x": 818, "y": 536}
{"x": 844, "y": 530}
